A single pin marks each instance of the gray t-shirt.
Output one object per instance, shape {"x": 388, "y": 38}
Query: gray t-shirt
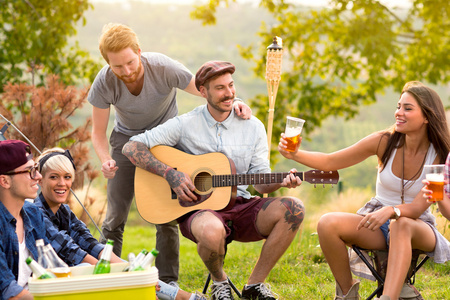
{"x": 153, "y": 106}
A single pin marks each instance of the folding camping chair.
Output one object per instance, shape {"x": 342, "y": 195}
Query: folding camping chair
{"x": 228, "y": 240}
{"x": 379, "y": 266}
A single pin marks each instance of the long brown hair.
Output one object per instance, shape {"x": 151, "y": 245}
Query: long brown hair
{"x": 437, "y": 128}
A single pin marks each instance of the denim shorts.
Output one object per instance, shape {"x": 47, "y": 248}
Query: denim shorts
{"x": 385, "y": 230}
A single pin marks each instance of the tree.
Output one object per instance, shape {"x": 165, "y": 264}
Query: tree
{"x": 42, "y": 114}
{"x": 34, "y": 39}
{"x": 339, "y": 58}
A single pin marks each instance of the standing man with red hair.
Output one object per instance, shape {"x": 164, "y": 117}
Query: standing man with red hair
{"x": 142, "y": 87}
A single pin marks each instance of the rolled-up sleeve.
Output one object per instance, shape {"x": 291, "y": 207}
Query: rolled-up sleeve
{"x": 8, "y": 284}
{"x": 83, "y": 237}
{"x": 167, "y": 134}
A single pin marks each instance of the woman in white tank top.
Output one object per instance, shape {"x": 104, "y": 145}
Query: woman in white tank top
{"x": 419, "y": 136}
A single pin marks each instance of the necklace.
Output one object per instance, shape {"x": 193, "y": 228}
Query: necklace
{"x": 402, "y": 183}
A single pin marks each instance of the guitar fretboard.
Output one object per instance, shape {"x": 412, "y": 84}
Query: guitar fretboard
{"x": 250, "y": 179}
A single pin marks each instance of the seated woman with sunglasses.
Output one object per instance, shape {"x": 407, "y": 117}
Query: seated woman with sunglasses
{"x": 64, "y": 228}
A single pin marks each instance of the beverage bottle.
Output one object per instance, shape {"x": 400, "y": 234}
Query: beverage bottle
{"x": 137, "y": 261}
{"x": 41, "y": 256}
{"x": 56, "y": 264}
{"x": 39, "y": 270}
{"x": 131, "y": 258}
{"x": 103, "y": 266}
{"x": 147, "y": 261}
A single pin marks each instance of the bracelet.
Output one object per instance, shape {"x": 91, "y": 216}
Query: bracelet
{"x": 167, "y": 170}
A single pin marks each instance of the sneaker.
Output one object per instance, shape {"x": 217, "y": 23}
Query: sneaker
{"x": 199, "y": 296}
{"x": 221, "y": 291}
{"x": 174, "y": 284}
{"x": 260, "y": 291}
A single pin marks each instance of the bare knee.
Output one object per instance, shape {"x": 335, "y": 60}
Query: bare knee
{"x": 401, "y": 226}
{"x": 208, "y": 229}
{"x": 327, "y": 223}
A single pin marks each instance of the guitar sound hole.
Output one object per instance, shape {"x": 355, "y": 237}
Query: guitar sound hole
{"x": 203, "y": 182}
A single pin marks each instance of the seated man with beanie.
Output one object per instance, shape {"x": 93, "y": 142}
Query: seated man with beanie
{"x": 21, "y": 222}
{"x": 214, "y": 127}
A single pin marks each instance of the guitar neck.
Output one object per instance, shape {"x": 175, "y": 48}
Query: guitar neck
{"x": 250, "y": 179}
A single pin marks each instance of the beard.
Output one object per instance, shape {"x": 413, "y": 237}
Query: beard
{"x": 132, "y": 77}
{"x": 216, "y": 104}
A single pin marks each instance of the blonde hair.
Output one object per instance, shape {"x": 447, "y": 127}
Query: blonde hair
{"x": 116, "y": 37}
{"x": 59, "y": 163}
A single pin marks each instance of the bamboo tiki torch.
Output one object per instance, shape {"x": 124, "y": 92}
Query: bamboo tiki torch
{"x": 273, "y": 77}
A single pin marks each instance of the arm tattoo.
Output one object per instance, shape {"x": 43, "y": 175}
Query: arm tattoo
{"x": 175, "y": 178}
{"x": 141, "y": 157}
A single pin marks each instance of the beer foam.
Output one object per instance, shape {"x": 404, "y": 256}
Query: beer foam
{"x": 291, "y": 132}
{"x": 435, "y": 177}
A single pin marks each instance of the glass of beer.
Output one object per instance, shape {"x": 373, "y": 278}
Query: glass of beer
{"x": 292, "y": 133}
{"x": 435, "y": 175}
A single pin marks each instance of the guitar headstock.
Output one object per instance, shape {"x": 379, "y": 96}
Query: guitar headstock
{"x": 321, "y": 177}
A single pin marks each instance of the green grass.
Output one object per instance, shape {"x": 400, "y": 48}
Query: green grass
{"x": 302, "y": 272}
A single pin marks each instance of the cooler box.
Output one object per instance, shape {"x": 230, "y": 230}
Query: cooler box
{"x": 116, "y": 285}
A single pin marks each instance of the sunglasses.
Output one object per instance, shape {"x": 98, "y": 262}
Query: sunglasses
{"x": 33, "y": 171}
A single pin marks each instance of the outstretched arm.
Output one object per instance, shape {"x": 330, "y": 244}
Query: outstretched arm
{"x": 141, "y": 157}
{"x": 373, "y": 144}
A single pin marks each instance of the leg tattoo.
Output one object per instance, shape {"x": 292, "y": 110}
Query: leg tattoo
{"x": 294, "y": 214}
{"x": 215, "y": 264}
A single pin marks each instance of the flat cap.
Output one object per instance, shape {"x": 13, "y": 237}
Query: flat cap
{"x": 13, "y": 154}
{"x": 211, "y": 69}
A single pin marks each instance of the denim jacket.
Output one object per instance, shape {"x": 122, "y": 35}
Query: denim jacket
{"x": 34, "y": 229}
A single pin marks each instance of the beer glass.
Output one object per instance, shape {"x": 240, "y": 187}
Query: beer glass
{"x": 435, "y": 175}
{"x": 292, "y": 133}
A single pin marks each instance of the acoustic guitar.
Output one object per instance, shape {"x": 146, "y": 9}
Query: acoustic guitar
{"x": 214, "y": 178}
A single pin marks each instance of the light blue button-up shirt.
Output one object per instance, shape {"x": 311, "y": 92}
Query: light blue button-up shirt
{"x": 197, "y": 132}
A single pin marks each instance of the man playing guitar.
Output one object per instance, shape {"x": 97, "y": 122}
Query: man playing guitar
{"x": 214, "y": 127}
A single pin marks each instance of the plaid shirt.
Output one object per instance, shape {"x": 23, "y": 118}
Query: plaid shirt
{"x": 33, "y": 223}
{"x": 70, "y": 237}
{"x": 447, "y": 176}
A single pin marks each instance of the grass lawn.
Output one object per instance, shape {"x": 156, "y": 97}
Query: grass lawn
{"x": 302, "y": 273}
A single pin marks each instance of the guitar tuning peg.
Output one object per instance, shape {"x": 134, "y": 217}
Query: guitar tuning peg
{"x": 314, "y": 185}
{"x": 332, "y": 185}
{"x": 323, "y": 185}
